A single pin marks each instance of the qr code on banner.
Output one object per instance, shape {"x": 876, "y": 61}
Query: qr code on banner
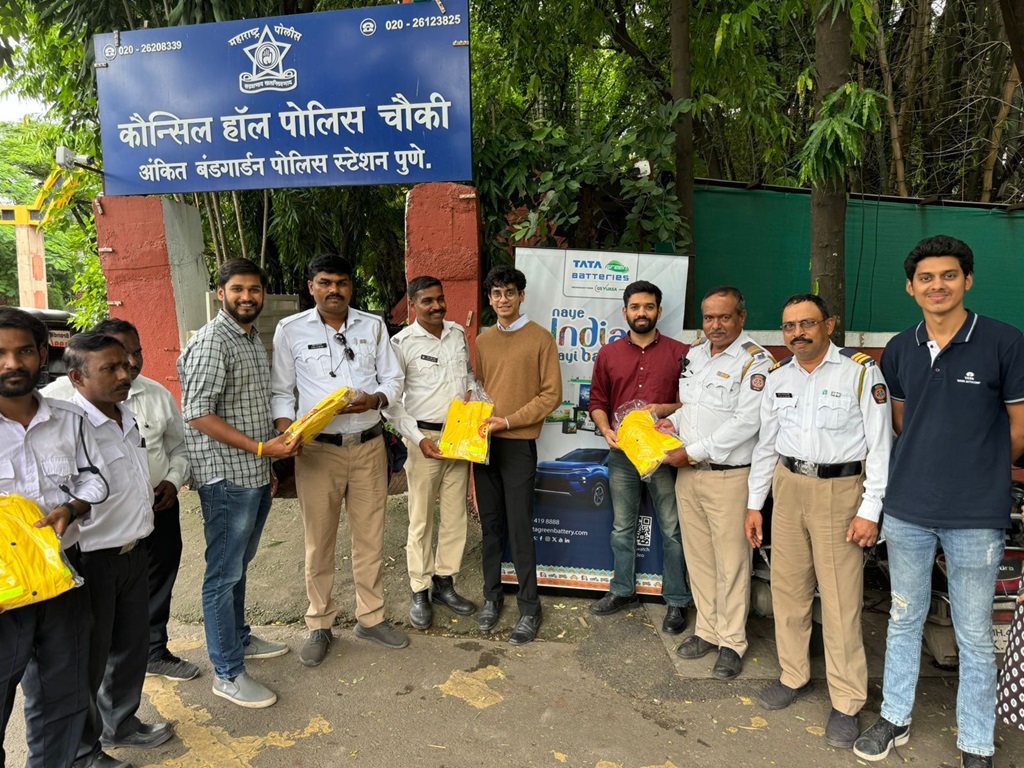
{"x": 643, "y": 531}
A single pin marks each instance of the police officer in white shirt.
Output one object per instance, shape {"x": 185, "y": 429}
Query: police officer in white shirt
{"x": 44, "y": 645}
{"x": 720, "y": 390}
{"x": 114, "y": 567}
{"x": 823, "y": 449}
{"x": 160, "y": 424}
{"x": 317, "y": 352}
{"x": 434, "y": 357}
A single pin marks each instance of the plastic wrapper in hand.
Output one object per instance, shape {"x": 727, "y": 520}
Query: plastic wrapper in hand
{"x": 463, "y": 436}
{"x": 638, "y": 438}
{"x": 32, "y": 566}
{"x": 319, "y": 416}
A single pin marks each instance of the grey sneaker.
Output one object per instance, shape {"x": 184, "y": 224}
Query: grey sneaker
{"x": 258, "y": 648}
{"x": 315, "y": 648}
{"x": 384, "y": 634}
{"x": 171, "y": 667}
{"x": 244, "y": 691}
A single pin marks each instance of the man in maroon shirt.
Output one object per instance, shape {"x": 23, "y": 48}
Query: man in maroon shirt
{"x": 643, "y": 365}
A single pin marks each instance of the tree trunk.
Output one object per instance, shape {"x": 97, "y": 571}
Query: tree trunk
{"x": 1013, "y": 22}
{"x": 266, "y": 228}
{"x": 996, "y": 138}
{"x": 899, "y": 170}
{"x": 828, "y": 198}
{"x": 238, "y": 221}
{"x": 679, "y": 26}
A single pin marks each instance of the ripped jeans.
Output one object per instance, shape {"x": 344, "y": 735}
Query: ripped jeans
{"x": 972, "y": 562}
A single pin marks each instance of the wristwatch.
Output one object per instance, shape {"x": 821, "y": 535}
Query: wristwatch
{"x": 70, "y": 508}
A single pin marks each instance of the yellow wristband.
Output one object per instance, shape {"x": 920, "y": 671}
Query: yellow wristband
{"x": 259, "y": 450}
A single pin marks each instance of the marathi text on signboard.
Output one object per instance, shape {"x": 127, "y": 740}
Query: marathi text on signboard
{"x": 365, "y": 96}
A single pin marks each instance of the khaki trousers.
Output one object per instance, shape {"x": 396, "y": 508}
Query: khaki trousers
{"x": 325, "y": 475}
{"x": 809, "y": 525}
{"x": 430, "y": 479}
{"x": 712, "y": 508}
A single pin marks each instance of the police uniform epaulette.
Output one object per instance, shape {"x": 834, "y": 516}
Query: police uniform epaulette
{"x": 858, "y": 357}
{"x": 699, "y": 341}
{"x": 781, "y": 363}
{"x": 63, "y": 405}
{"x": 752, "y": 349}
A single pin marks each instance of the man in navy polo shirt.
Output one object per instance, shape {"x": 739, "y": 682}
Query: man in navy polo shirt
{"x": 957, "y": 386}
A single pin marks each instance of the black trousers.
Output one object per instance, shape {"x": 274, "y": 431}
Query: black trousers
{"x": 164, "y": 548}
{"x": 118, "y": 645}
{"x": 45, "y": 647}
{"x": 504, "y": 495}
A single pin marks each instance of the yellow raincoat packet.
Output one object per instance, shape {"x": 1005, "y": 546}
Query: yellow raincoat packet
{"x": 319, "y": 416}
{"x": 644, "y": 445}
{"x": 463, "y": 436}
{"x": 32, "y": 566}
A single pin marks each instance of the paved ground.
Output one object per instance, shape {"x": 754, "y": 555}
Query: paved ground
{"x": 593, "y": 693}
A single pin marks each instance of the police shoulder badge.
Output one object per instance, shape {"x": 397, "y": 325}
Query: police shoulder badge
{"x": 757, "y": 382}
{"x": 878, "y": 392}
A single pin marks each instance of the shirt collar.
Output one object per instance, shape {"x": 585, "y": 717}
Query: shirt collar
{"x": 226, "y": 319}
{"x": 43, "y": 412}
{"x": 98, "y": 419}
{"x": 962, "y": 336}
{"x": 655, "y": 340}
{"x": 351, "y": 318}
{"x": 418, "y": 330}
{"x": 523, "y": 320}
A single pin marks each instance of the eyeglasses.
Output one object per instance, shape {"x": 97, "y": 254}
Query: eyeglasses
{"x": 340, "y": 337}
{"x": 805, "y": 325}
{"x": 509, "y": 293}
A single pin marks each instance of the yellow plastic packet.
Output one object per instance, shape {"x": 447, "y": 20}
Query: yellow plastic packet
{"x": 644, "y": 445}
{"x": 319, "y": 416}
{"x": 460, "y": 438}
{"x": 32, "y": 567}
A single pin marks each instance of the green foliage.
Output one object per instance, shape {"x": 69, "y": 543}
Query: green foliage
{"x": 837, "y": 138}
{"x": 90, "y": 288}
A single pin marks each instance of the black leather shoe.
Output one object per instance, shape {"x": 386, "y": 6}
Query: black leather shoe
{"x": 444, "y": 594}
{"x": 610, "y": 604}
{"x": 420, "y": 612}
{"x": 675, "y": 621}
{"x": 728, "y": 665}
{"x": 99, "y": 760}
{"x": 489, "y": 614}
{"x": 148, "y": 736}
{"x": 526, "y": 629}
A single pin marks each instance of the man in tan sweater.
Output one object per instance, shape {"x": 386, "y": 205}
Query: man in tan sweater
{"x": 517, "y": 361}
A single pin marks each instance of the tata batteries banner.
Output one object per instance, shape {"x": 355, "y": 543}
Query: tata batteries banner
{"x": 578, "y": 296}
{"x": 374, "y": 95}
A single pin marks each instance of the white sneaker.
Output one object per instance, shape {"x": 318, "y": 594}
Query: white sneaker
{"x": 258, "y": 648}
{"x": 244, "y": 691}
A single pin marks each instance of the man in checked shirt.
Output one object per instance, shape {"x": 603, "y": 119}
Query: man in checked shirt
{"x": 434, "y": 356}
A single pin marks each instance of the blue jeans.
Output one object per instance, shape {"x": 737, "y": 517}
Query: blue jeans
{"x": 233, "y": 520}
{"x": 625, "y": 484}
{"x": 972, "y": 562}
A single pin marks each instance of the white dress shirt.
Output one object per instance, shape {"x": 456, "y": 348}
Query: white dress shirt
{"x": 831, "y": 415}
{"x": 516, "y": 325}
{"x": 437, "y": 371}
{"x": 721, "y": 401}
{"x": 127, "y": 514}
{"x": 35, "y": 461}
{"x": 308, "y": 358}
{"x": 159, "y": 421}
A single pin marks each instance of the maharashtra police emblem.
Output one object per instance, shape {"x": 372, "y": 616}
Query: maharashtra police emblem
{"x": 268, "y": 72}
{"x": 757, "y": 382}
{"x": 879, "y": 393}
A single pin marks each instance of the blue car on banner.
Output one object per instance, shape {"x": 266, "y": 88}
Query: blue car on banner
{"x": 580, "y": 475}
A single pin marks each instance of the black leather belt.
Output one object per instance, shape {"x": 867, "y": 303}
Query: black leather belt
{"x": 436, "y": 426}
{"x": 356, "y": 438}
{"x": 123, "y": 550}
{"x": 718, "y": 467}
{"x": 822, "y": 471}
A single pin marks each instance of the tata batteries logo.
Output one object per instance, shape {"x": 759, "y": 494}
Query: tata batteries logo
{"x": 589, "y": 274}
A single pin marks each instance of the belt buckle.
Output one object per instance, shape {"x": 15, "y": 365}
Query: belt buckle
{"x": 705, "y": 465}
{"x": 806, "y": 468}
{"x": 350, "y": 439}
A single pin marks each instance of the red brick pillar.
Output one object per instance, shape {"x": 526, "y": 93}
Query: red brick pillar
{"x": 151, "y": 253}
{"x": 443, "y": 239}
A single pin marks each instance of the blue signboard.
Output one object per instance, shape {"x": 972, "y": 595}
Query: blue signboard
{"x": 364, "y": 96}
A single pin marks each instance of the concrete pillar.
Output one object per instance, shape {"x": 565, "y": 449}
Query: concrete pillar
{"x": 443, "y": 239}
{"x": 32, "y": 290}
{"x": 151, "y": 251}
